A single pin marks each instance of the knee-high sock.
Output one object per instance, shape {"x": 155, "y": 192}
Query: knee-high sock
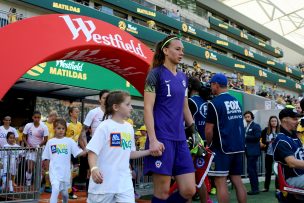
{"x": 54, "y": 195}
{"x": 176, "y": 197}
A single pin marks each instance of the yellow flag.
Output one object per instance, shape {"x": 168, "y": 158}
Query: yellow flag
{"x": 249, "y": 80}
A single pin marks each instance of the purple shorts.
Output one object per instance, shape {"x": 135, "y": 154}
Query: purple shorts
{"x": 175, "y": 160}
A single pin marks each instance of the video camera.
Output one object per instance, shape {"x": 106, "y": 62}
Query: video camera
{"x": 204, "y": 89}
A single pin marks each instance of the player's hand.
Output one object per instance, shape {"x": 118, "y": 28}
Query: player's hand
{"x": 156, "y": 148}
{"x": 97, "y": 176}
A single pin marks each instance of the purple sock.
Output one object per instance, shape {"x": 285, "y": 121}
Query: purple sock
{"x": 176, "y": 198}
{"x": 157, "y": 200}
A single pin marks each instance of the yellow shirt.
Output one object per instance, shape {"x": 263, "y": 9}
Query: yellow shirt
{"x": 51, "y": 129}
{"x": 74, "y": 130}
{"x": 142, "y": 142}
{"x": 20, "y": 135}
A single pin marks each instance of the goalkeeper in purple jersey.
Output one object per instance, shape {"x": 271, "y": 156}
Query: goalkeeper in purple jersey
{"x": 165, "y": 110}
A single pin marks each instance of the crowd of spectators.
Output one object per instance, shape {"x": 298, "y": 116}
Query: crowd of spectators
{"x": 236, "y": 82}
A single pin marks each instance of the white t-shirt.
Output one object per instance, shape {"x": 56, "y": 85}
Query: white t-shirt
{"x": 35, "y": 135}
{"x": 59, "y": 151}
{"x": 3, "y": 133}
{"x": 94, "y": 118}
{"x": 113, "y": 143}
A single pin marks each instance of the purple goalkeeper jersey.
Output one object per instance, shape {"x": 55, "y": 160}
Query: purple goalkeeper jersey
{"x": 168, "y": 108}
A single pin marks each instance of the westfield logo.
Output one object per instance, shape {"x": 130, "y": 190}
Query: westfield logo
{"x": 88, "y": 28}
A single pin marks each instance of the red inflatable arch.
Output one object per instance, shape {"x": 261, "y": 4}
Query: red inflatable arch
{"x": 32, "y": 41}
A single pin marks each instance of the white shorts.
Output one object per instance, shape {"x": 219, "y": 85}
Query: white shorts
{"x": 31, "y": 155}
{"x": 12, "y": 169}
{"x": 60, "y": 185}
{"x": 125, "y": 197}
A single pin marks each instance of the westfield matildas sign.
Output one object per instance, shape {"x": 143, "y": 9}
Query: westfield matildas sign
{"x": 71, "y": 37}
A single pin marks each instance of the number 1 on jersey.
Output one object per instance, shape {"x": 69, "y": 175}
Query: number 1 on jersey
{"x": 169, "y": 94}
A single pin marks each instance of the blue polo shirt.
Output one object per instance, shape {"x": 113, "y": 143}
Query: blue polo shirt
{"x": 225, "y": 112}
{"x": 288, "y": 144}
{"x": 168, "y": 110}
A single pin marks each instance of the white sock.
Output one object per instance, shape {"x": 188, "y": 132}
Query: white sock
{"x": 4, "y": 181}
{"x": 28, "y": 177}
{"x": 11, "y": 185}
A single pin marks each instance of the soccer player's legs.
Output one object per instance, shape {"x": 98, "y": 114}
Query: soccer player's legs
{"x": 183, "y": 170}
{"x": 161, "y": 169}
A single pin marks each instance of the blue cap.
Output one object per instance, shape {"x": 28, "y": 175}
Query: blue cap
{"x": 219, "y": 78}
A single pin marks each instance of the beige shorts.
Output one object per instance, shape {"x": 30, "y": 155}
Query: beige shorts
{"x": 126, "y": 197}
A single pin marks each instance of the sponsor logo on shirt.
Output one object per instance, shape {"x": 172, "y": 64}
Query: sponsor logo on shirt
{"x": 53, "y": 149}
{"x": 59, "y": 149}
{"x": 158, "y": 163}
{"x": 115, "y": 140}
{"x": 121, "y": 140}
{"x": 184, "y": 83}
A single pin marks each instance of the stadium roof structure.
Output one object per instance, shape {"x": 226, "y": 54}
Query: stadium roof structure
{"x": 285, "y": 17}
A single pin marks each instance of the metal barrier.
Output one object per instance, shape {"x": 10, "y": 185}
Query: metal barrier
{"x": 144, "y": 184}
{"x": 16, "y": 184}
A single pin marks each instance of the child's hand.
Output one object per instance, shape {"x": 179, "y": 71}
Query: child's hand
{"x": 96, "y": 175}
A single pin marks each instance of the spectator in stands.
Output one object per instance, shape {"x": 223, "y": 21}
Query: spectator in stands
{"x": 289, "y": 150}
{"x": 280, "y": 103}
{"x": 165, "y": 109}
{"x": 226, "y": 141}
{"x": 5, "y": 128}
{"x": 151, "y": 24}
{"x": 196, "y": 67}
{"x": 35, "y": 134}
{"x": 298, "y": 107}
{"x": 12, "y": 15}
{"x": 268, "y": 136}
{"x": 252, "y": 149}
{"x": 234, "y": 76}
{"x": 143, "y": 137}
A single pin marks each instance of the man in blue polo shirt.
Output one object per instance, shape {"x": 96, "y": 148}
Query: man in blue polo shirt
{"x": 288, "y": 148}
{"x": 225, "y": 134}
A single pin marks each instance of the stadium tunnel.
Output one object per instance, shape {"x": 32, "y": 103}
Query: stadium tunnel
{"x": 61, "y": 38}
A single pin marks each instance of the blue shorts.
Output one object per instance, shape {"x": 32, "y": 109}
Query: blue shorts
{"x": 175, "y": 160}
{"x": 226, "y": 164}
